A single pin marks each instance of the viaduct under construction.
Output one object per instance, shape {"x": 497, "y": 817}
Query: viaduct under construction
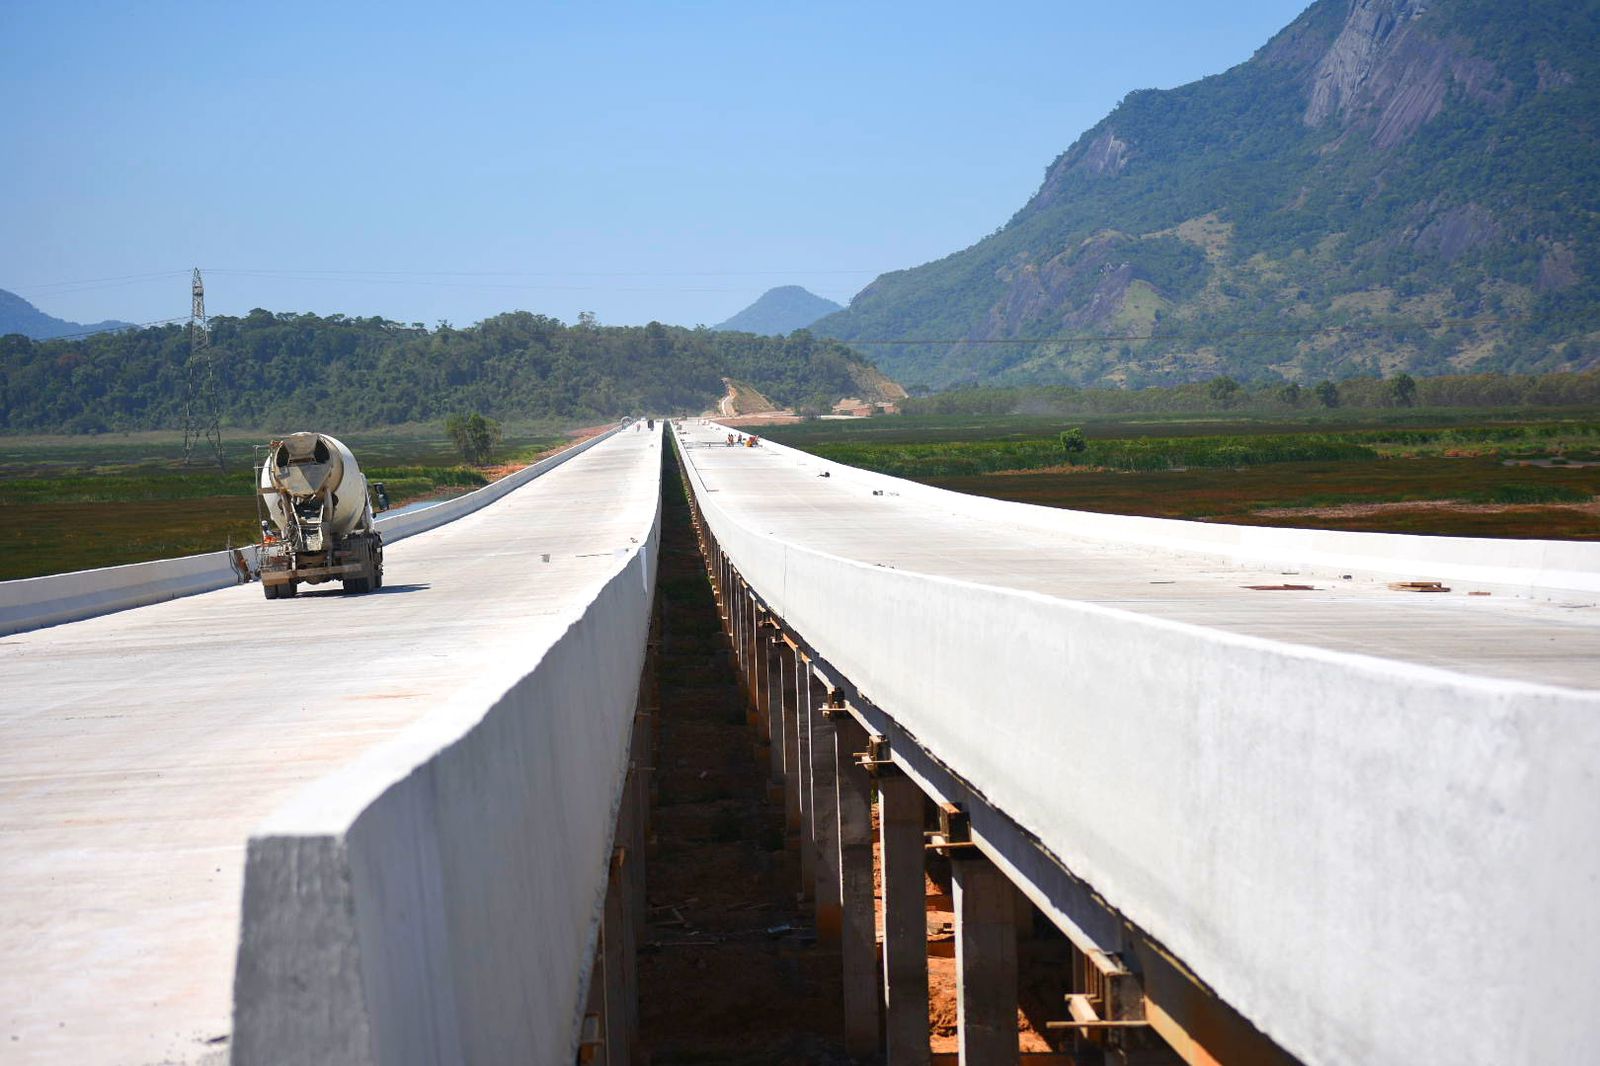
{"x": 1314, "y": 818}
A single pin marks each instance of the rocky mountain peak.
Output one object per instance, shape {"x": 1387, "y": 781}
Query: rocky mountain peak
{"x": 1371, "y": 30}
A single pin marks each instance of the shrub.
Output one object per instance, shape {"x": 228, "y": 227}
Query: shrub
{"x": 475, "y": 436}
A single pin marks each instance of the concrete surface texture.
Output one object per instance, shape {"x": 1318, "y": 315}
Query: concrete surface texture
{"x": 1357, "y": 814}
{"x": 139, "y": 750}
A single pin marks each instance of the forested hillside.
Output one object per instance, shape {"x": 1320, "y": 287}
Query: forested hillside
{"x": 1386, "y": 185}
{"x": 300, "y": 369}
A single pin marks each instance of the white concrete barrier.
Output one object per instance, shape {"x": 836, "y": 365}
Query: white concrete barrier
{"x": 1534, "y": 568}
{"x": 35, "y": 602}
{"x": 439, "y": 900}
{"x": 1373, "y": 861}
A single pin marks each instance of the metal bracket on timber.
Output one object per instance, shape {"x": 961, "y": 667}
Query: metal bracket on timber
{"x": 835, "y": 708}
{"x": 1112, "y": 997}
{"x": 953, "y": 838}
{"x": 1084, "y": 1017}
{"x": 876, "y": 760}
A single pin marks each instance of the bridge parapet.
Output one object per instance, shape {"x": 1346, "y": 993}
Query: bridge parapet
{"x": 441, "y": 899}
{"x": 1352, "y": 850}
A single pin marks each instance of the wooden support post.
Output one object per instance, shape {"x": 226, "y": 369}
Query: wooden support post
{"x": 621, "y": 1004}
{"x": 727, "y": 596}
{"x": 641, "y": 755}
{"x": 761, "y": 669}
{"x": 737, "y": 615}
{"x": 791, "y": 760}
{"x": 857, "y": 943}
{"x": 636, "y": 799}
{"x": 772, "y": 725}
{"x": 825, "y": 802}
{"x": 741, "y": 604}
{"x": 752, "y": 643}
{"x": 796, "y": 691}
{"x": 777, "y": 677}
{"x": 736, "y": 603}
{"x": 986, "y": 961}
{"x": 905, "y": 918}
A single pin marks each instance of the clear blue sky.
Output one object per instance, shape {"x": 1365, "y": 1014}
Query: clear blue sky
{"x": 664, "y": 161}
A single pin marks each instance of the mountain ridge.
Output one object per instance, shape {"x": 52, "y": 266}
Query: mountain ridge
{"x": 780, "y": 311}
{"x": 1383, "y": 186}
{"x": 19, "y": 316}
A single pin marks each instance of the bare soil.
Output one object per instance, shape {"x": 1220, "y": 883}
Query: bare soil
{"x": 729, "y": 968}
{"x": 1365, "y": 510}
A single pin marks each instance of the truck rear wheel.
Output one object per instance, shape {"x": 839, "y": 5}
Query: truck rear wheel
{"x": 269, "y": 591}
{"x": 357, "y": 584}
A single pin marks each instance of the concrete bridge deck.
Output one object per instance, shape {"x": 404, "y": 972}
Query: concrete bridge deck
{"x": 139, "y": 750}
{"x": 1362, "y": 818}
{"x": 1547, "y": 642}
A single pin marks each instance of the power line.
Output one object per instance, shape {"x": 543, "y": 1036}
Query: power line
{"x": 100, "y": 281}
{"x": 306, "y": 273}
{"x": 272, "y": 271}
{"x": 476, "y": 285}
{"x": 114, "y": 329}
{"x": 1102, "y": 338}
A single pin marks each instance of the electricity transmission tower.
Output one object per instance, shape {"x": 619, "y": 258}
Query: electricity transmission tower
{"x": 201, "y": 417}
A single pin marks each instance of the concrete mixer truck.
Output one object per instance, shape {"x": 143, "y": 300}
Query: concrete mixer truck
{"x": 316, "y": 519}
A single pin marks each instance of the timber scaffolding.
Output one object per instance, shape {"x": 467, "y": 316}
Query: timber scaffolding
{"x": 834, "y": 755}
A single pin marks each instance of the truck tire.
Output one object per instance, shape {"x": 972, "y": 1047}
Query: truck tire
{"x": 288, "y": 591}
{"x": 269, "y": 591}
{"x": 356, "y": 585}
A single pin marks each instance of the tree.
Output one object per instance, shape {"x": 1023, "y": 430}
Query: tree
{"x": 1328, "y": 394}
{"x": 475, "y": 436}
{"x": 1403, "y": 390}
{"x": 1291, "y": 394}
{"x": 1223, "y": 391}
{"x": 1073, "y": 443}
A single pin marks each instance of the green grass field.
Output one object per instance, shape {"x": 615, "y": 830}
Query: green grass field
{"x": 72, "y": 503}
{"x": 1505, "y": 474}
{"x": 934, "y": 429}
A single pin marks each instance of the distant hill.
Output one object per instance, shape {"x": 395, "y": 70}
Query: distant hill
{"x": 1386, "y": 185}
{"x": 302, "y": 369}
{"x": 780, "y": 311}
{"x": 19, "y": 316}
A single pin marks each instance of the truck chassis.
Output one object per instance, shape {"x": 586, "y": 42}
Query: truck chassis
{"x": 357, "y": 561}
